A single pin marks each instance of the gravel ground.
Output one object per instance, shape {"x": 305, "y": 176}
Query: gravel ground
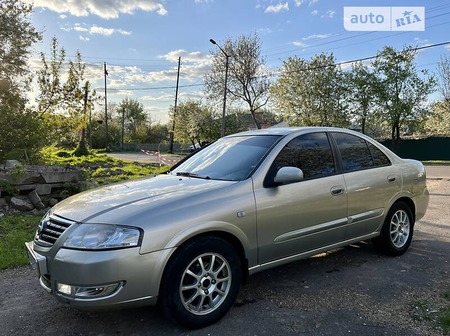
{"x": 349, "y": 291}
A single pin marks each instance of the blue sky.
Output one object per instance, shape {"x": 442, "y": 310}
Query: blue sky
{"x": 141, "y": 40}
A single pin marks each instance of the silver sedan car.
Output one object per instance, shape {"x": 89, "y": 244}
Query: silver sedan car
{"x": 188, "y": 239}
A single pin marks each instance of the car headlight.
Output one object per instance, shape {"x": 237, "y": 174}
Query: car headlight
{"x": 102, "y": 237}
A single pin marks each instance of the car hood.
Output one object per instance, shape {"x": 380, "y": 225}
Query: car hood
{"x": 150, "y": 192}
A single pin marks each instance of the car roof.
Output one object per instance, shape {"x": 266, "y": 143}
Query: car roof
{"x": 283, "y": 131}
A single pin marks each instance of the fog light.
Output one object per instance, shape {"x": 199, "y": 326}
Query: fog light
{"x": 89, "y": 292}
{"x": 64, "y": 289}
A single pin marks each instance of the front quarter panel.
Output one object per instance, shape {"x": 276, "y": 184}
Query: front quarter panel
{"x": 230, "y": 209}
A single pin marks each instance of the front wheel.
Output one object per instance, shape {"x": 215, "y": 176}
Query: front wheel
{"x": 201, "y": 282}
{"x": 396, "y": 234}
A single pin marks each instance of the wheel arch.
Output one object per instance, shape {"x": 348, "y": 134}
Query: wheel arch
{"x": 230, "y": 238}
{"x": 410, "y": 203}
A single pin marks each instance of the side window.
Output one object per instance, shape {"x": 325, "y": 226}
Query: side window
{"x": 379, "y": 158}
{"x": 311, "y": 153}
{"x": 354, "y": 152}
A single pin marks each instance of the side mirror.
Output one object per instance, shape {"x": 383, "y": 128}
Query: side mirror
{"x": 288, "y": 175}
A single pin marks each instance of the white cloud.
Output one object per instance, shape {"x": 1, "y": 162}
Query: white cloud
{"x": 106, "y": 9}
{"x": 329, "y": 14}
{"x": 316, "y": 37}
{"x": 313, "y": 2}
{"x": 95, "y": 30}
{"x": 314, "y": 12}
{"x": 299, "y": 44}
{"x": 62, "y": 16}
{"x": 164, "y": 97}
{"x": 278, "y": 8}
{"x": 82, "y": 38}
{"x": 191, "y": 57}
{"x": 298, "y": 3}
{"x": 264, "y": 31}
{"x": 107, "y": 31}
{"x": 203, "y": 1}
{"x": 194, "y": 66}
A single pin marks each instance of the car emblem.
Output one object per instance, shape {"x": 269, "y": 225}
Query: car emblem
{"x": 42, "y": 226}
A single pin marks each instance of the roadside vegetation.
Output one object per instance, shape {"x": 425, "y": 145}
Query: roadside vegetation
{"x": 436, "y": 162}
{"x": 445, "y": 317}
{"x": 99, "y": 169}
{"x": 15, "y": 230}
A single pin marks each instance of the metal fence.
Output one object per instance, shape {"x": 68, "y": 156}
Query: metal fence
{"x": 433, "y": 148}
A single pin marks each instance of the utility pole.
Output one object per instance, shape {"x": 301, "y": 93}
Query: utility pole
{"x": 123, "y": 123}
{"x": 106, "y": 109}
{"x": 224, "y": 106}
{"x": 85, "y": 106}
{"x": 175, "y": 108}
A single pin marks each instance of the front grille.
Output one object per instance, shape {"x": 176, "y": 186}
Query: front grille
{"x": 50, "y": 229}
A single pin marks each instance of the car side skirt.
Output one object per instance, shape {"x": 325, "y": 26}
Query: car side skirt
{"x": 307, "y": 254}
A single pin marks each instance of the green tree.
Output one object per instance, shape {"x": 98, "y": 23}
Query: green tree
{"x": 98, "y": 132}
{"x": 401, "y": 90}
{"x": 438, "y": 123}
{"x": 135, "y": 121}
{"x": 20, "y": 129}
{"x": 49, "y": 81}
{"x": 73, "y": 98}
{"x": 17, "y": 35}
{"x": 246, "y": 82}
{"x": 311, "y": 93}
{"x": 158, "y": 133}
{"x": 360, "y": 93}
{"x": 443, "y": 73}
{"x": 195, "y": 123}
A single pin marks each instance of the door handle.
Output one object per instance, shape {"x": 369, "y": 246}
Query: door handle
{"x": 391, "y": 178}
{"x": 337, "y": 190}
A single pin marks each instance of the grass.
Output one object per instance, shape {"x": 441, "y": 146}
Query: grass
{"x": 436, "y": 162}
{"x": 445, "y": 315}
{"x": 15, "y": 230}
{"x": 440, "y": 317}
{"x": 100, "y": 168}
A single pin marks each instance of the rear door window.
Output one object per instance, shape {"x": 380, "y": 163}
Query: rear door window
{"x": 355, "y": 153}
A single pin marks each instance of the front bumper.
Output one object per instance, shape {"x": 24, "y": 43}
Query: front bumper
{"x": 137, "y": 275}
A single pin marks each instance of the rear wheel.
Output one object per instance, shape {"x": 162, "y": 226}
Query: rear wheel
{"x": 201, "y": 282}
{"x": 396, "y": 234}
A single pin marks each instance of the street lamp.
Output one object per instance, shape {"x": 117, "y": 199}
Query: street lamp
{"x": 225, "y": 87}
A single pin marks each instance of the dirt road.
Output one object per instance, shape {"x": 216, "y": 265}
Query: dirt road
{"x": 350, "y": 291}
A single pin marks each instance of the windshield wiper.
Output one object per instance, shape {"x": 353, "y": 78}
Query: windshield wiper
{"x": 188, "y": 174}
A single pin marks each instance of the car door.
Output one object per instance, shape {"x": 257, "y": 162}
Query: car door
{"x": 305, "y": 215}
{"x": 371, "y": 180}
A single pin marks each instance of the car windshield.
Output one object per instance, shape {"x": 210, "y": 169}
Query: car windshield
{"x": 232, "y": 158}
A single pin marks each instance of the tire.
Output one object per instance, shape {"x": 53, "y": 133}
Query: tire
{"x": 200, "y": 282}
{"x": 397, "y": 232}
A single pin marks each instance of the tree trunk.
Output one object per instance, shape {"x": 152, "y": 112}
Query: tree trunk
{"x": 395, "y": 137}
{"x": 258, "y": 126}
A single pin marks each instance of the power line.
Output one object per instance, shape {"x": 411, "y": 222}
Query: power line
{"x": 276, "y": 73}
{"x": 356, "y": 36}
{"x": 152, "y": 88}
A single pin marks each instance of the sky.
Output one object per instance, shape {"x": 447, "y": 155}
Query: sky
{"x": 141, "y": 40}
